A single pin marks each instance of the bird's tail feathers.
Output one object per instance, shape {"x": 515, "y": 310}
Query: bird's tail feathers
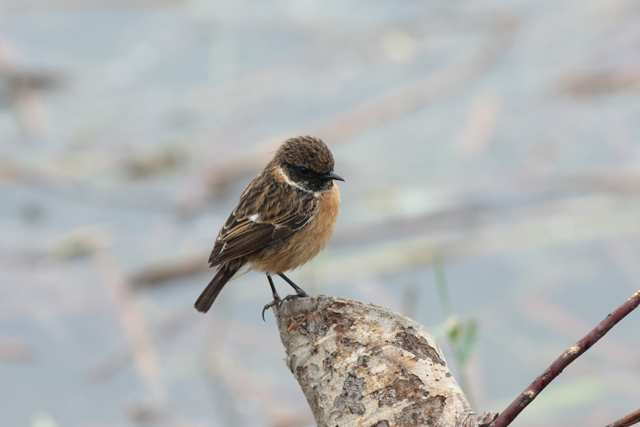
{"x": 210, "y": 293}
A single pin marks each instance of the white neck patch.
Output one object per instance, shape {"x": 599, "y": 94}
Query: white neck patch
{"x": 293, "y": 184}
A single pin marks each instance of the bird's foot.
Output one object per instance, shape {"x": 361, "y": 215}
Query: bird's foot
{"x": 276, "y": 301}
{"x": 300, "y": 293}
{"x": 296, "y": 296}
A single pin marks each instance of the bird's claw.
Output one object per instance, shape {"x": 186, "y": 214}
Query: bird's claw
{"x": 276, "y": 301}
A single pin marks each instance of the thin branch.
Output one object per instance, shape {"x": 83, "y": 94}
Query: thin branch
{"x": 629, "y": 420}
{"x": 571, "y": 354}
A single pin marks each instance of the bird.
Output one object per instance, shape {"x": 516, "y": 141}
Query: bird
{"x": 284, "y": 218}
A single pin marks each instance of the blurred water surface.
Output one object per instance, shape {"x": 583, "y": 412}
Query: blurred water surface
{"x": 503, "y": 137}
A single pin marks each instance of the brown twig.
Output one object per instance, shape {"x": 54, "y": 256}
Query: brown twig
{"x": 170, "y": 269}
{"x": 629, "y": 420}
{"x": 571, "y": 354}
{"x": 584, "y": 83}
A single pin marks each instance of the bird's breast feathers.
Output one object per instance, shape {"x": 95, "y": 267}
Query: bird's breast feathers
{"x": 304, "y": 244}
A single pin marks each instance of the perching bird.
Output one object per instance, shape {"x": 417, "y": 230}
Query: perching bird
{"x": 284, "y": 218}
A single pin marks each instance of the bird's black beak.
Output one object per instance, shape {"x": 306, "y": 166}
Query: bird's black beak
{"x": 332, "y": 175}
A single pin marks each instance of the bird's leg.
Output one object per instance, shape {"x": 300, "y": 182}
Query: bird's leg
{"x": 299, "y": 292}
{"x": 276, "y": 297}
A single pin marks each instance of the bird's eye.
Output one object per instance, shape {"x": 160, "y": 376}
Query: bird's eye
{"x": 303, "y": 170}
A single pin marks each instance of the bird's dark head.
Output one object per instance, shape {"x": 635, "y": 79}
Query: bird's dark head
{"x": 307, "y": 163}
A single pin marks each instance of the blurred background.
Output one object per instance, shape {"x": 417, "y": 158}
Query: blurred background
{"x": 491, "y": 154}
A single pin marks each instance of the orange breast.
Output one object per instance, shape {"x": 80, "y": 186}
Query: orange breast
{"x": 305, "y": 243}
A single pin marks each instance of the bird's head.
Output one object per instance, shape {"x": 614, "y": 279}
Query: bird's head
{"x": 306, "y": 163}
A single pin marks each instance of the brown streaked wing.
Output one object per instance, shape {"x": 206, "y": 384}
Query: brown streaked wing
{"x": 229, "y": 224}
{"x": 242, "y": 237}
